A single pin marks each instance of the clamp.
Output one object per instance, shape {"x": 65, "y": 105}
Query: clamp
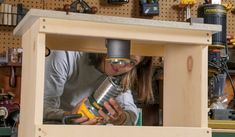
{"x": 86, "y": 8}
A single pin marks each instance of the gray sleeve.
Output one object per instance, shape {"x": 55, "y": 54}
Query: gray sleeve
{"x": 56, "y": 72}
{"x": 127, "y": 103}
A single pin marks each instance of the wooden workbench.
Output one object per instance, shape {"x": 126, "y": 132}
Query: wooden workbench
{"x": 183, "y": 46}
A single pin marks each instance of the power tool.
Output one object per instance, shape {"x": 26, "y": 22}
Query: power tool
{"x": 149, "y": 7}
{"x": 108, "y": 87}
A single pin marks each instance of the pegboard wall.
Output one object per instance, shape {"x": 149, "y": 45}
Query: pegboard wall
{"x": 132, "y": 9}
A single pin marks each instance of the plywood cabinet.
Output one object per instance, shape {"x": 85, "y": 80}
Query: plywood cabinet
{"x": 183, "y": 46}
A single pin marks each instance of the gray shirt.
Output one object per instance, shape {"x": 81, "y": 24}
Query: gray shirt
{"x": 68, "y": 79}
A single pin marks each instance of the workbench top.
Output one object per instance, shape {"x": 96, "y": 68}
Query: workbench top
{"x": 34, "y": 14}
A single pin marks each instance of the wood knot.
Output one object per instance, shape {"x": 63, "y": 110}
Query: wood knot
{"x": 190, "y": 63}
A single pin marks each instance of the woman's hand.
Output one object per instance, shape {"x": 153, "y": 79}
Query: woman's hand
{"x": 77, "y": 119}
{"x": 85, "y": 121}
{"x": 116, "y": 115}
{"x": 80, "y": 119}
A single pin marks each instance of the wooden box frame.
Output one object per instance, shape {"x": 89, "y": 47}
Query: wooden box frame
{"x": 183, "y": 45}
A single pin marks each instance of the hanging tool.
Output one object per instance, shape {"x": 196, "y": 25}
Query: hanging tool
{"x": 187, "y": 4}
{"x": 85, "y": 7}
{"x": 228, "y": 6}
{"x": 149, "y": 7}
{"x": 14, "y": 60}
{"x": 12, "y": 79}
{"x": 118, "y": 1}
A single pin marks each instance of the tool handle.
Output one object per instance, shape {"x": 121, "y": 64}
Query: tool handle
{"x": 12, "y": 79}
{"x": 68, "y": 119}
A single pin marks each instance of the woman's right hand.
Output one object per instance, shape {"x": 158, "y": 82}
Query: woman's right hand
{"x": 77, "y": 119}
{"x": 81, "y": 120}
{"x": 85, "y": 121}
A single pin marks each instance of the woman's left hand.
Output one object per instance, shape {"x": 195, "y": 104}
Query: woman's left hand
{"x": 116, "y": 115}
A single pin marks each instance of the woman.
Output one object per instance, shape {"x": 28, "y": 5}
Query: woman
{"x": 70, "y": 76}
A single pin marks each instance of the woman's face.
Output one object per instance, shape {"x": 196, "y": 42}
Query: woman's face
{"x": 118, "y": 69}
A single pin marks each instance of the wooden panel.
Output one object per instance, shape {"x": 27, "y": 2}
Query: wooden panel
{"x": 185, "y": 86}
{"x": 63, "y": 42}
{"x": 131, "y": 32}
{"x": 114, "y": 131}
{"x": 32, "y": 81}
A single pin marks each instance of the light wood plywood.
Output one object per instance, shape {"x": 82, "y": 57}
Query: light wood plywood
{"x": 185, "y": 78}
